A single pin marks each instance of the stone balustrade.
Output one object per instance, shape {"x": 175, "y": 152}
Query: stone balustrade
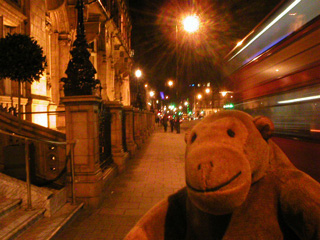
{"x": 130, "y": 127}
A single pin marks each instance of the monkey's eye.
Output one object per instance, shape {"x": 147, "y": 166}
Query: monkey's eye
{"x": 231, "y": 133}
{"x": 193, "y": 138}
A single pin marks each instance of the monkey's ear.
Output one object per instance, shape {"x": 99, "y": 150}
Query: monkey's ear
{"x": 265, "y": 126}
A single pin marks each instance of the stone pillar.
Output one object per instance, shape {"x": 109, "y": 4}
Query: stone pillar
{"x": 137, "y": 127}
{"x": 145, "y": 125}
{"x": 131, "y": 145}
{"x": 1, "y": 27}
{"x": 118, "y": 154}
{"x": 142, "y": 127}
{"x": 153, "y": 120}
{"x": 82, "y": 126}
{"x": 149, "y": 119}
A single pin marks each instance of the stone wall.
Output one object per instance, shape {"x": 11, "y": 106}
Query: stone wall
{"x": 82, "y": 127}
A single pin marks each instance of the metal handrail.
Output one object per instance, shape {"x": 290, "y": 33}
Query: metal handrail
{"x": 27, "y": 160}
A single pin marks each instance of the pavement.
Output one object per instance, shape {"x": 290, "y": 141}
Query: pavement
{"x": 156, "y": 171}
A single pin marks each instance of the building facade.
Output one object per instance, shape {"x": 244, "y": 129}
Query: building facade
{"x": 52, "y": 23}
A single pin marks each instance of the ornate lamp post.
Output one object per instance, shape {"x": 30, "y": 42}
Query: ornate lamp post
{"x": 80, "y": 71}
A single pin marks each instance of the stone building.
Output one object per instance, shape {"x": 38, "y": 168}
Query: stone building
{"x": 53, "y": 24}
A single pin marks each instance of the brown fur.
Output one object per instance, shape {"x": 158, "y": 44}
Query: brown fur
{"x": 240, "y": 185}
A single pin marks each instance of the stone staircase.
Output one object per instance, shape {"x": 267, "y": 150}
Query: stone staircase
{"x": 50, "y": 211}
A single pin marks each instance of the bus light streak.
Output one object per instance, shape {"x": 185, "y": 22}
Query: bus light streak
{"x": 267, "y": 27}
{"x": 299, "y": 99}
{"x": 315, "y": 130}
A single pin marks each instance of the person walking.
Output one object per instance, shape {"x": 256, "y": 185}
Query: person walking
{"x": 171, "y": 124}
{"x": 177, "y": 124}
{"x": 165, "y": 122}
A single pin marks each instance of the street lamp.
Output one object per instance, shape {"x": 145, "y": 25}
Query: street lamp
{"x": 138, "y": 74}
{"x": 208, "y": 90}
{"x": 190, "y": 24}
{"x": 151, "y": 94}
{"x": 224, "y": 93}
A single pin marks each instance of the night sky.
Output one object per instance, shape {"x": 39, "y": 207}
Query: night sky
{"x": 223, "y": 23}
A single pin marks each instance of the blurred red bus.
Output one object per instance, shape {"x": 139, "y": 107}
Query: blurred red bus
{"x": 276, "y": 70}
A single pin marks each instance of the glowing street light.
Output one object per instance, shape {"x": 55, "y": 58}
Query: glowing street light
{"x": 199, "y": 96}
{"x": 208, "y": 90}
{"x": 223, "y": 94}
{"x": 170, "y": 83}
{"x": 138, "y": 100}
{"x": 138, "y": 73}
{"x": 191, "y": 23}
{"x": 151, "y": 93}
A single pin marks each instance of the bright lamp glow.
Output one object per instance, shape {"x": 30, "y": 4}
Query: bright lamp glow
{"x": 191, "y": 23}
{"x": 138, "y": 73}
{"x": 199, "y": 96}
{"x": 223, "y": 94}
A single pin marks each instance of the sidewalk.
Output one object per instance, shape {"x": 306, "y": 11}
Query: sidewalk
{"x": 156, "y": 171}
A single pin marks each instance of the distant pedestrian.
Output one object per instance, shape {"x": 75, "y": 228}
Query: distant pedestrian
{"x": 177, "y": 124}
{"x": 171, "y": 124}
{"x": 165, "y": 122}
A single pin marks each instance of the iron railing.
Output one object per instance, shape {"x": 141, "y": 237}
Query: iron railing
{"x": 69, "y": 153}
{"x": 105, "y": 136}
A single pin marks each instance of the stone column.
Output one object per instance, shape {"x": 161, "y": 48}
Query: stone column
{"x": 153, "y": 120}
{"x": 1, "y": 27}
{"x": 150, "y": 126}
{"x": 118, "y": 154}
{"x": 82, "y": 126}
{"x": 145, "y": 125}
{"x": 131, "y": 145}
{"x": 137, "y": 127}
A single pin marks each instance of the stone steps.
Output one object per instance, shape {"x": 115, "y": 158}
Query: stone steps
{"x": 16, "y": 219}
{"x": 18, "y": 223}
{"x": 7, "y": 205}
{"x": 47, "y": 227}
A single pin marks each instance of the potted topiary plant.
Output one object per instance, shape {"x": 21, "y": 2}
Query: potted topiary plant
{"x": 21, "y": 60}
